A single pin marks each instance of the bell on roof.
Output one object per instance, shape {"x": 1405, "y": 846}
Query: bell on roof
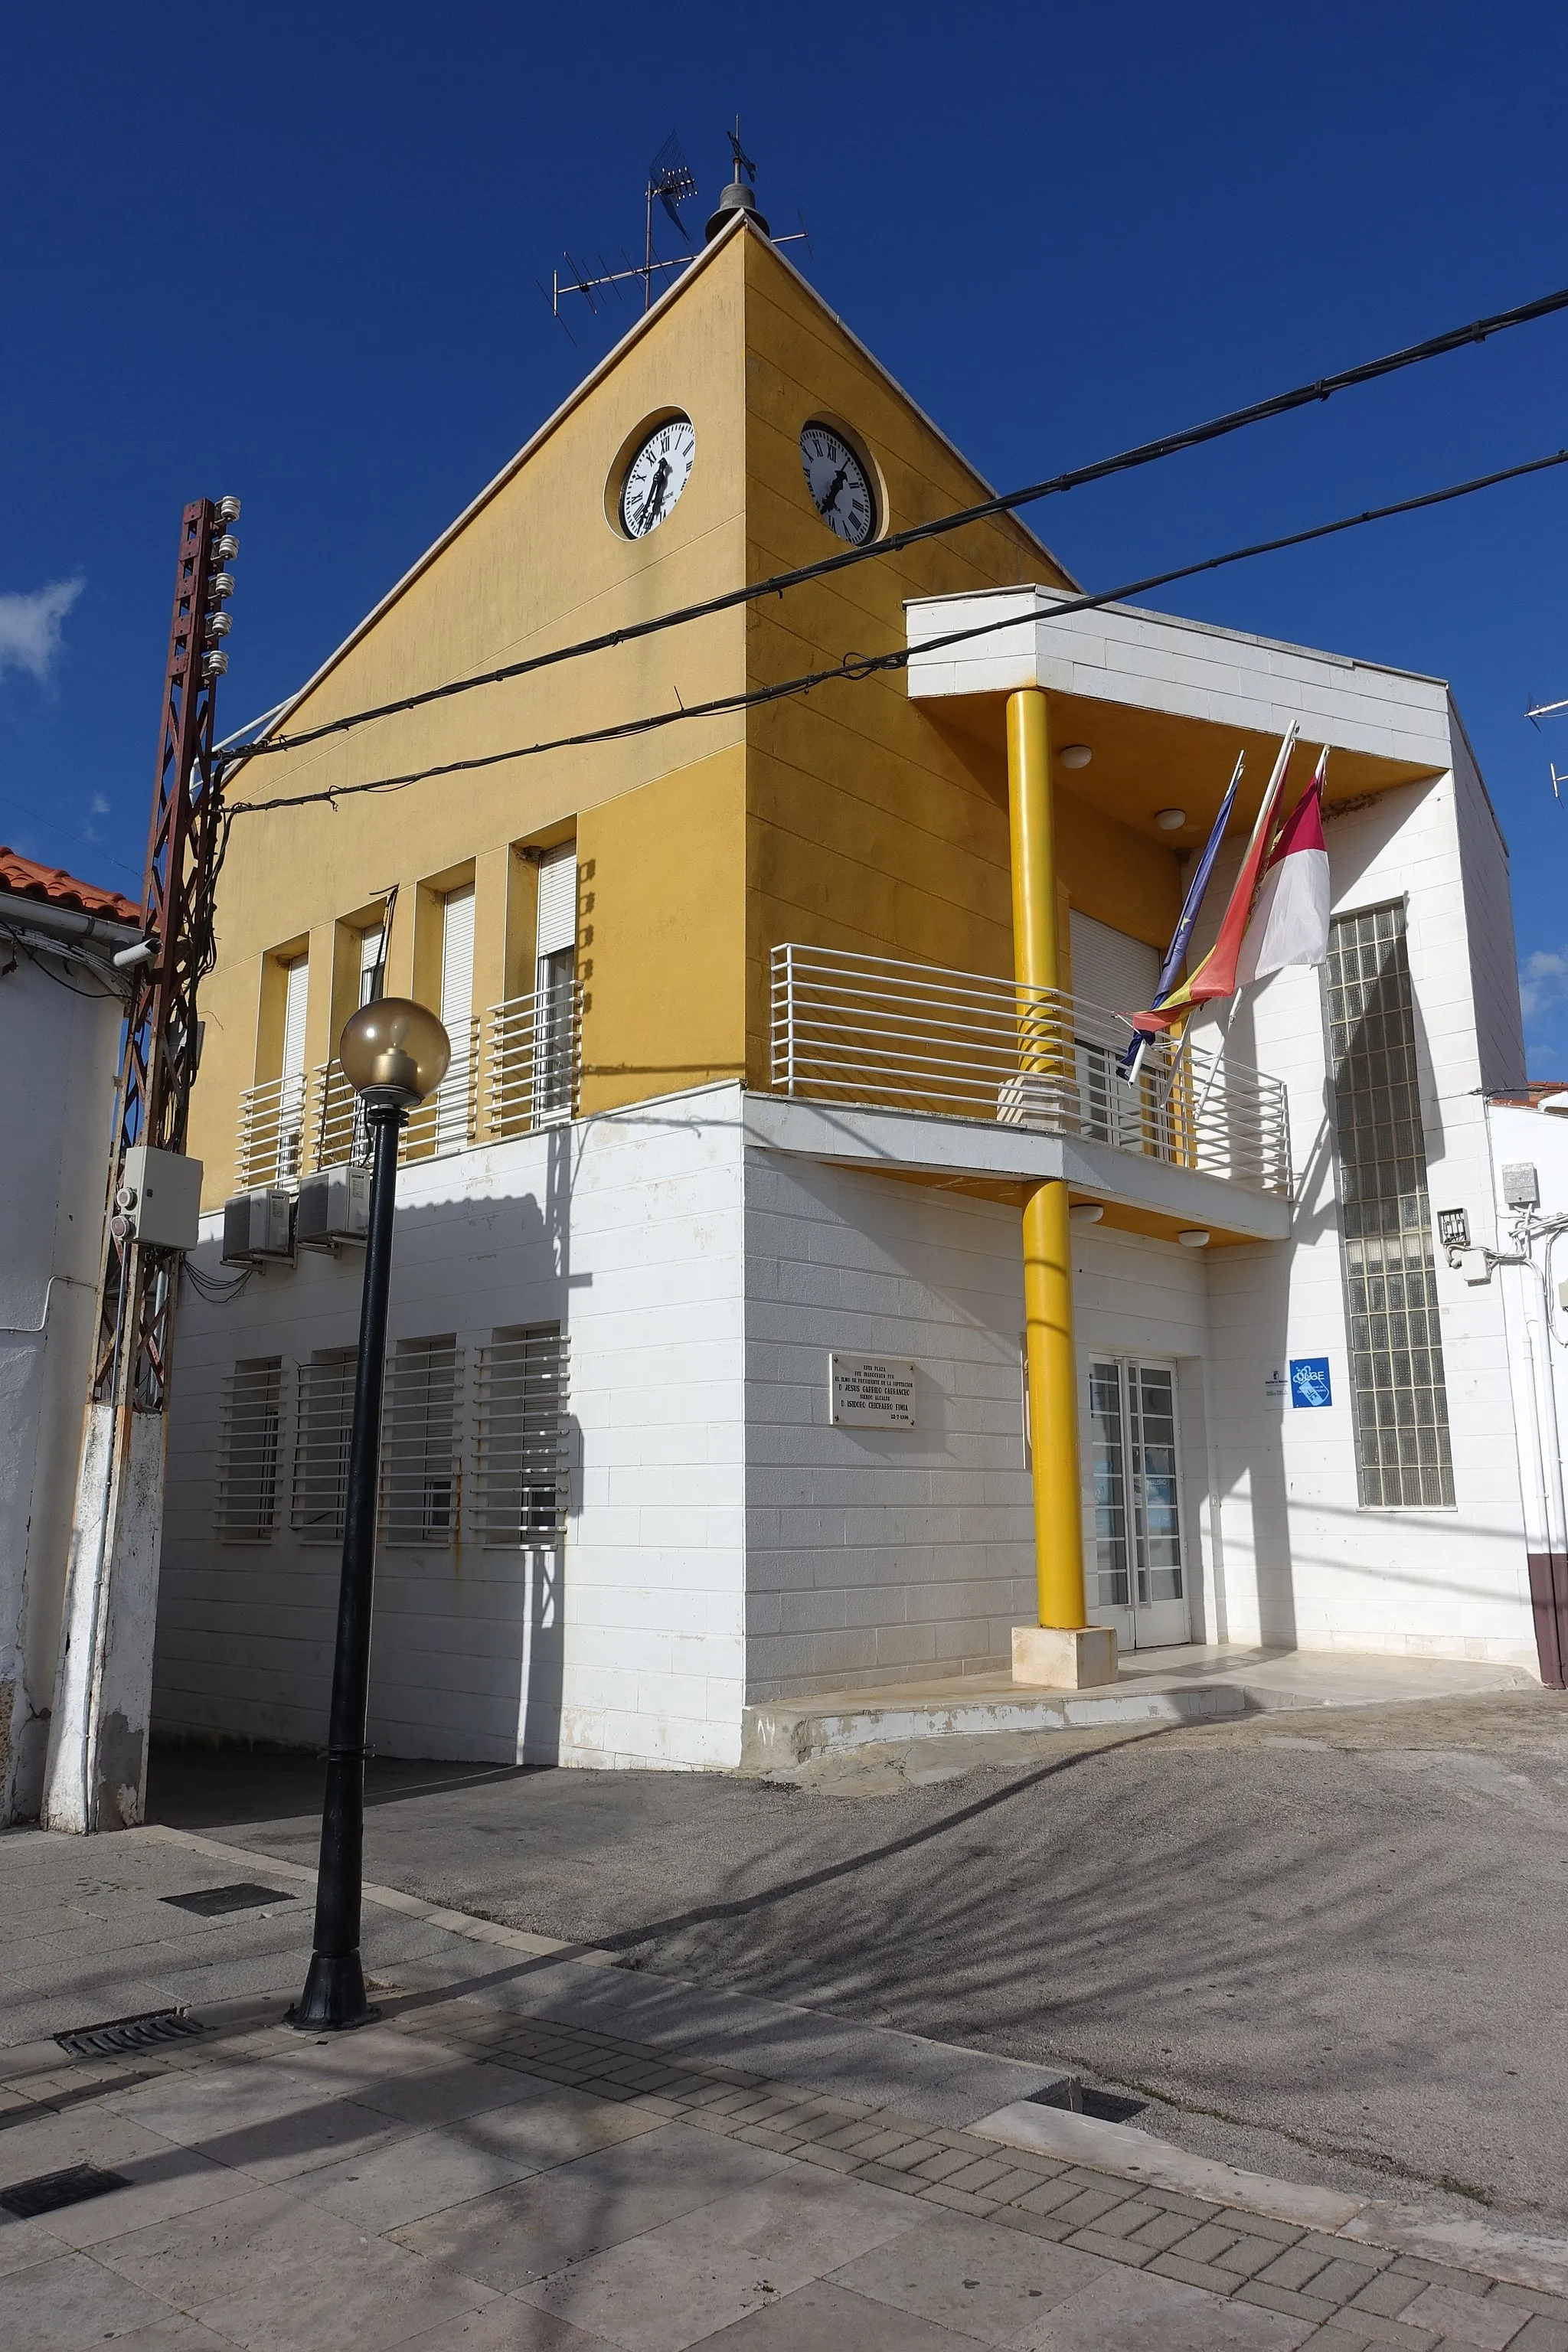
{"x": 738, "y": 197}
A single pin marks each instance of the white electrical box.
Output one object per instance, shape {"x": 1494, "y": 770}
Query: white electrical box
{"x": 333, "y": 1206}
{"x": 1472, "y": 1265}
{"x": 160, "y": 1196}
{"x": 259, "y": 1226}
{"x": 1520, "y": 1185}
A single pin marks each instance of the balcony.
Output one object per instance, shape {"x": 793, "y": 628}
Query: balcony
{"x": 515, "y": 1068}
{"x": 867, "y": 1032}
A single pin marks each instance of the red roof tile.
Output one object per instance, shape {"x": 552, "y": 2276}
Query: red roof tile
{"x": 25, "y": 879}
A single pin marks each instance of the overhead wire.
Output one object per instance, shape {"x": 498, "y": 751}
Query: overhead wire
{"x": 1144, "y": 452}
{"x": 856, "y": 666}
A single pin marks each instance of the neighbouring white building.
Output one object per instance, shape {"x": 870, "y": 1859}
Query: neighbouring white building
{"x": 61, "y": 1005}
{"x": 705, "y": 1385}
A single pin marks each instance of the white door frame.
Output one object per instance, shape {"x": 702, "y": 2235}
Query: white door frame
{"x": 1139, "y": 1623}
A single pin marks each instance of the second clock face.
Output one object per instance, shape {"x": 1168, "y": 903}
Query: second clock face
{"x": 839, "y": 486}
{"x": 659, "y": 470}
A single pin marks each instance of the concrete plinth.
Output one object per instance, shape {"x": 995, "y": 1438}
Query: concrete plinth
{"x": 1053, "y": 1657}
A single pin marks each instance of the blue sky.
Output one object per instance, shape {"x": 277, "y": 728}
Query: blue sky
{"x": 303, "y": 270}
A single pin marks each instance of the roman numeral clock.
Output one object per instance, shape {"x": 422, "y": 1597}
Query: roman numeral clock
{"x": 839, "y": 481}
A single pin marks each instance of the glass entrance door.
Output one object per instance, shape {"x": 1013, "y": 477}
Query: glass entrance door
{"x": 1137, "y": 1574}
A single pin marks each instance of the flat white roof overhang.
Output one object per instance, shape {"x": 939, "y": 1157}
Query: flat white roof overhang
{"x": 985, "y": 1156}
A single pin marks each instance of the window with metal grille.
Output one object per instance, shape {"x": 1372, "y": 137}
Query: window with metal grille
{"x": 322, "y": 1444}
{"x": 248, "y": 1451}
{"x": 1398, "y": 1391}
{"x": 419, "y": 1439}
{"x": 522, "y": 1457}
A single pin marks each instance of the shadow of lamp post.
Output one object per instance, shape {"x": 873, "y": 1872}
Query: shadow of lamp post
{"x": 393, "y": 1054}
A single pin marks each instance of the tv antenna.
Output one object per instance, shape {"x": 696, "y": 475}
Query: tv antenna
{"x": 1536, "y": 712}
{"x": 670, "y": 180}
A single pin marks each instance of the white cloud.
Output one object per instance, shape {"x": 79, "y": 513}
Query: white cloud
{"x": 30, "y": 627}
{"x": 1542, "y": 983}
{"x": 99, "y": 805}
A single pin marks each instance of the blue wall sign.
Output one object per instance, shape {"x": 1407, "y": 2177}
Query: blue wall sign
{"x": 1310, "y": 1382}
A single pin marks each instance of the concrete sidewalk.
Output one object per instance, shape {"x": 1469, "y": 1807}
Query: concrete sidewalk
{"x": 533, "y": 2149}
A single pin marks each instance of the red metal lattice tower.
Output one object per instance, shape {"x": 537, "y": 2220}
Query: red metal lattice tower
{"x": 162, "y": 1039}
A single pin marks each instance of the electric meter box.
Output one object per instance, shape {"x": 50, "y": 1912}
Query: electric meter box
{"x": 160, "y": 1193}
{"x": 259, "y": 1226}
{"x": 1520, "y": 1185}
{"x": 333, "y": 1206}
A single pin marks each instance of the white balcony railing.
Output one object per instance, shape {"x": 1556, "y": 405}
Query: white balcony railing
{"x": 515, "y": 1068}
{"x": 905, "y": 1037}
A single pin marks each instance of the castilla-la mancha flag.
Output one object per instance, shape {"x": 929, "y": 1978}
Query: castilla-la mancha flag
{"x": 1290, "y": 920}
{"x": 1278, "y": 908}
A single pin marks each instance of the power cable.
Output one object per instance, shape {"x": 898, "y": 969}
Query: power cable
{"x": 1144, "y": 453}
{"x": 856, "y": 666}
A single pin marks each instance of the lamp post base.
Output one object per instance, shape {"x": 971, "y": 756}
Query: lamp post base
{"x": 333, "y": 1999}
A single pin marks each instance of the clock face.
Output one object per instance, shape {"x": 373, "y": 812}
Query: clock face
{"x": 840, "y": 488}
{"x": 657, "y": 474}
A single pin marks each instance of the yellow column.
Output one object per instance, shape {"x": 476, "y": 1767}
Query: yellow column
{"x": 1047, "y": 1263}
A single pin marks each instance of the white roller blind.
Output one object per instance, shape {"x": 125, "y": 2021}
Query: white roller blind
{"x": 1111, "y": 969}
{"x": 557, "y": 899}
{"x": 297, "y": 980}
{"x": 369, "y": 958}
{"x": 458, "y": 964}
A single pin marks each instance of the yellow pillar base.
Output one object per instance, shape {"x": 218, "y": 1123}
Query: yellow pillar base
{"x": 1057, "y": 1657}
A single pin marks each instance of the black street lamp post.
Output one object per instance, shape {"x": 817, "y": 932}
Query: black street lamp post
{"x": 394, "y": 1053}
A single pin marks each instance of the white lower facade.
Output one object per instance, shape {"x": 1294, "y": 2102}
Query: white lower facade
{"x": 725, "y": 1541}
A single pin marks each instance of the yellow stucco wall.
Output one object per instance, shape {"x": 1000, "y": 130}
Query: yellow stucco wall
{"x": 852, "y": 818}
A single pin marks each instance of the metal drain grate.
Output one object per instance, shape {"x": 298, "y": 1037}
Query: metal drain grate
{"x": 119, "y": 2034}
{"x": 210, "y": 1902}
{"x": 51, "y": 2190}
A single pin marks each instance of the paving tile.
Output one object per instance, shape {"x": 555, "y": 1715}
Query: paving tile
{"x": 175, "y": 2334}
{"x": 1248, "y": 2255}
{"x": 1130, "y": 2311}
{"x": 1338, "y": 2282}
{"x": 270, "y": 2273}
{"x": 49, "y": 2143}
{"x": 677, "y": 2285}
{"x": 503, "y": 2326}
{"x": 65, "y": 2304}
{"x": 1465, "y": 2319}
{"x": 1540, "y": 2334}
{"x": 525, "y": 2232}
{"x": 822, "y": 2318}
{"x": 972, "y": 2276}
{"x": 22, "y": 2244}
{"x": 175, "y": 2180}
{"x": 1387, "y": 2295}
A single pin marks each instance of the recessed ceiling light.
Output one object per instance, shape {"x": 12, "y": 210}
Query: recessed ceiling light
{"x": 1170, "y": 819}
{"x": 1075, "y": 755}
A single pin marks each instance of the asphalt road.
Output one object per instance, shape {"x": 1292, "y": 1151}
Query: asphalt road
{"x": 1327, "y": 1945}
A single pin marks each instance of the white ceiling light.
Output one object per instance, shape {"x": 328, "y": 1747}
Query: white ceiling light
{"x": 1196, "y": 1237}
{"x": 1170, "y": 819}
{"x": 1086, "y": 1213}
{"x": 1075, "y": 755}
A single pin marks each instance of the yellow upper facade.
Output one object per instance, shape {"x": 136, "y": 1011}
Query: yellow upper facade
{"x": 851, "y": 818}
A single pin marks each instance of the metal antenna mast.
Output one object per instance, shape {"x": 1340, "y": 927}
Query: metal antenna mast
{"x": 1535, "y": 713}
{"x": 96, "y": 1776}
{"x": 670, "y": 180}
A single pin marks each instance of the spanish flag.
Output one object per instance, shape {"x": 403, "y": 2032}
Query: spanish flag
{"x": 1216, "y": 974}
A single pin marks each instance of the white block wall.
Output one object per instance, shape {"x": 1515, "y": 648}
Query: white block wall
{"x": 62, "y": 1046}
{"x": 626, "y": 1649}
{"x": 1300, "y": 1560}
{"x": 879, "y": 1555}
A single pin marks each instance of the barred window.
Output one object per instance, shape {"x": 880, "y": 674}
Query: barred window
{"x": 248, "y": 1451}
{"x": 522, "y": 1458}
{"x": 1398, "y": 1390}
{"x": 322, "y": 1444}
{"x": 419, "y": 1439}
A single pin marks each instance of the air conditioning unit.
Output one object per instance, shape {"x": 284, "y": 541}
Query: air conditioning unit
{"x": 259, "y": 1227}
{"x": 333, "y": 1206}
